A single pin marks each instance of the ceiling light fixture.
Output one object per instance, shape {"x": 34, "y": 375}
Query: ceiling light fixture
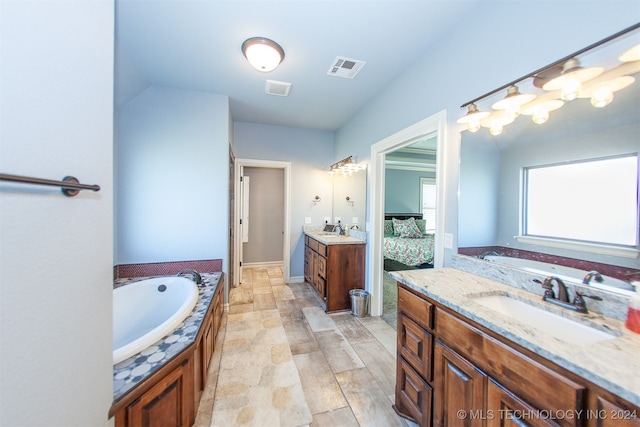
{"x": 263, "y": 54}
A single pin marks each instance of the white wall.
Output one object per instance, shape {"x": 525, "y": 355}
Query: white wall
{"x": 494, "y": 44}
{"x": 56, "y": 265}
{"x": 310, "y": 153}
{"x": 172, "y": 162}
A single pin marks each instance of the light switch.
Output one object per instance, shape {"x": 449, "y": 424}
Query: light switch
{"x": 354, "y": 220}
{"x": 307, "y": 220}
{"x": 448, "y": 240}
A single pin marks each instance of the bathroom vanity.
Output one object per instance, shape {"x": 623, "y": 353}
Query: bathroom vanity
{"x": 460, "y": 362}
{"x": 333, "y": 265}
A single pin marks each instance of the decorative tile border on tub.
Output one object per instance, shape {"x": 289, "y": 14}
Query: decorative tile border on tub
{"x": 165, "y": 268}
{"x": 130, "y": 372}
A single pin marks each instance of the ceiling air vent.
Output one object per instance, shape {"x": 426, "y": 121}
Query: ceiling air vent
{"x": 345, "y": 67}
{"x": 277, "y": 88}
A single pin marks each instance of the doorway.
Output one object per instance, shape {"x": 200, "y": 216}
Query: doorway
{"x": 436, "y": 126}
{"x": 280, "y": 177}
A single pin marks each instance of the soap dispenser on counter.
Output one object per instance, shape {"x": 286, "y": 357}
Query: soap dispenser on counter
{"x": 633, "y": 315}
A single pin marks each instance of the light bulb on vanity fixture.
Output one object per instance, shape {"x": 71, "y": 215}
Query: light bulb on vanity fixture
{"x": 513, "y": 100}
{"x": 539, "y": 111}
{"x": 345, "y": 166}
{"x": 570, "y": 81}
{"x": 262, "y": 53}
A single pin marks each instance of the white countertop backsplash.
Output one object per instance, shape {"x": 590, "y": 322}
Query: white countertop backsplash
{"x": 612, "y": 364}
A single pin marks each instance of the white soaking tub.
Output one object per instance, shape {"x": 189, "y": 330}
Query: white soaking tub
{"x": 147, "y": 310}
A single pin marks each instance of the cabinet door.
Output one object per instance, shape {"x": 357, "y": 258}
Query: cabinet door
{"x": 459, "y": 390}
{"x": 505, "y": 409}
{"x": 308, "y": 264}
{"x": 164, "y": 405}
{"x": 413, "y": 394}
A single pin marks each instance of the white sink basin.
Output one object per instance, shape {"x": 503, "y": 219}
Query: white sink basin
{"x": 550, "y": 323}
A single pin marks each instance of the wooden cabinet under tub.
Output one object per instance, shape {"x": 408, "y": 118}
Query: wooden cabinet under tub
{"x": 333, "y": 270}
{"x": 452, "y": 371}
{"x": 170, "y": 397}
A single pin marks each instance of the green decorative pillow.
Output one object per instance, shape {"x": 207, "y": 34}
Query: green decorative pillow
{"x": 422, "y": 225}
{"x": 406, "y": 228}
{"x": 388, "y": 227}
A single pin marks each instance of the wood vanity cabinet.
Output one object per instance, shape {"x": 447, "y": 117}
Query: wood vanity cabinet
{"x": 452, "y": 371}
{"x": 170, "y": 397}
{"x": 333, "y": 270}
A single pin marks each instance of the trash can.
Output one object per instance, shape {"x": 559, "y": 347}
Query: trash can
{"x": 359, "y": 302}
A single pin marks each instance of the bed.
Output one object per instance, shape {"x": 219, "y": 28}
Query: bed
{"x": 406, "y": 240}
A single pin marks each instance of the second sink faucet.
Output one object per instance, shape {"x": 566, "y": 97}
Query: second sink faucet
{"x": 562, "y": 299}
{"x": 195, "y": 276}
{"x": 593, "y": 274}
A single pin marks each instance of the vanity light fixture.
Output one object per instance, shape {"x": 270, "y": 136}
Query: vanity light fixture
{"x": 262, "y": 53}
{"x": 473, "y": 117}
{"x": 345, "y": 166}
{"x": 562, "y": 80}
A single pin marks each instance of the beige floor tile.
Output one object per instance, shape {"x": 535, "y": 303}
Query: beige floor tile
{"x": 380, "y": 363}
{"x": 339, "y": 354}
{"x": 318, "y": 320}
{"x": 352, "y": 329}
{"x": 264, "y": 302}
{"x": 282, "y": 292}
{"x": 320, "y": 387}
{"x": 383, "y": 333}
{"x": 369, "y": 403}
{"x": 342, "y": 417}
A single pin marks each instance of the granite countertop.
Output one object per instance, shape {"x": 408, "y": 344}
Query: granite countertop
{"x": 334, "y": 238}
{"x": 612, "y": 364}
{"x": 132, "y": 371}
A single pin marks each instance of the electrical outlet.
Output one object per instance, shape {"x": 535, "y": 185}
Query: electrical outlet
{"x": 448, "y": 240}
{"x": 337, "y": 219}
{"x": 354, "y": 220}
{"x": 307, "y": 220}
{"x": 327, "y": 219}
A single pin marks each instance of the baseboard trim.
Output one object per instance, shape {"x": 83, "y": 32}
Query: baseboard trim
{"x": 269, "y": 264}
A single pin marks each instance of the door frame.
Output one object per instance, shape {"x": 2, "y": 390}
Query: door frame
{"x": 436, "y": 123}
{"x": 286, "y": 246}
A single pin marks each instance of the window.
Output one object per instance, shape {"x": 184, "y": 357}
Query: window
{"x": 593, "y": 201}
{"x": 428, "y": 202}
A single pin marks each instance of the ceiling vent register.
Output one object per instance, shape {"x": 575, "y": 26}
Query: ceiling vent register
{"x": 273, "y": 87}
{"x": 345, "y": 67}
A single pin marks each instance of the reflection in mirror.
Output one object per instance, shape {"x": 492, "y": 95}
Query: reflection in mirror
{"x": 349, "y": 198}
{"x": 493, "y": 210}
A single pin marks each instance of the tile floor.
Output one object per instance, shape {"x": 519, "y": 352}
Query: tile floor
{"x": 345, "y": 365}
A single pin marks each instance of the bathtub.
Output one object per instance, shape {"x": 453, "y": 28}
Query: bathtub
{"x": 147, "y": 310}
{"x": 567, "y": 274}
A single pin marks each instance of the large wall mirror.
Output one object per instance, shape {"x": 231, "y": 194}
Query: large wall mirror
{"x": 495, "y": 194}
{"x": 350, "y": 198}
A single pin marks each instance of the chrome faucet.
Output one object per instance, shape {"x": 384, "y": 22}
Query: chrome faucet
{"x": 578, "y": 304}
{"x": 487, "y": 253}
{"x": 195, "y": 276}
{"x": 593, "y": 274}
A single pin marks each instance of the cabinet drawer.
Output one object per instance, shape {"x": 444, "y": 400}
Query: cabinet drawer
{"x": 322, "y": 249}
{"x": 518, "y": 373}
{"x": 313, "y": 244}
{"x": 416, "y": 346}
{"x": 413, "y": 394}
{"x": 418, "y": 309}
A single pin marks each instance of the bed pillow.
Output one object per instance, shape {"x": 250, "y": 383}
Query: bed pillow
{"x": 406, "y": 228}
{"x": 422, "y": 225}
{"x": 388, "y": 227}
